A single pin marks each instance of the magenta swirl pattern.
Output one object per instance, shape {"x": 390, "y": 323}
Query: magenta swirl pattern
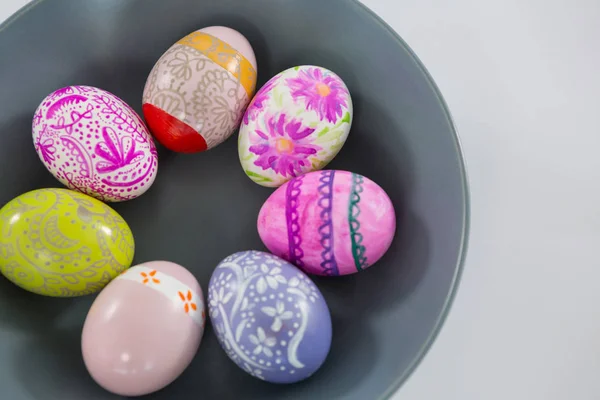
{"x": 93, "y": 142}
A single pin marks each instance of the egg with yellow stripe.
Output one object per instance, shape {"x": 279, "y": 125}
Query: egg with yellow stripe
{"x": 62, "y": 243}
{"x": 198, "y": 91}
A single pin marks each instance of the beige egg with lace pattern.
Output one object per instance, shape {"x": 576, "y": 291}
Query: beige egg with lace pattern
{"x": 198, "y": 90}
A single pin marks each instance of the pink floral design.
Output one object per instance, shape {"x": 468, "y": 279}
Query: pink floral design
{"x": 114, "y": 108}
{"x": 285, "y": 147}
{"x": 258, "y": 101}
{"x": 63, "y": 103}
{"x": 117, "y": 153}
{"x": 324, "y": 93}
{"x": 93, "y": 142}
{"x": 46, "y": 149}
{"x": 37, "y": 118}
{"x": 63, "y": 91}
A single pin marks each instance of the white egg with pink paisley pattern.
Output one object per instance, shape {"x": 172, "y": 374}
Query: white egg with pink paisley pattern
{"x": 93, "y": 142}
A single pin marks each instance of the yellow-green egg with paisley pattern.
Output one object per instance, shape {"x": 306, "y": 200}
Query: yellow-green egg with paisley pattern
{"x": 62, "y": 243}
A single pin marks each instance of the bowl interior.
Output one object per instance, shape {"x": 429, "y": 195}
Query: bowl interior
{"x": 202, "y": 207}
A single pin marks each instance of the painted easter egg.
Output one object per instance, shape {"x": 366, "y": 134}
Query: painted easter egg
{"x": 93, "y": 142}
{"x": 269, "y": 317}
{"x": 144, "y": 329}
{"x": 61, "y": 243}
{"x": 197, "y": 92}
{"x": 297, "y": 123}
{"x": 328, "y": 222}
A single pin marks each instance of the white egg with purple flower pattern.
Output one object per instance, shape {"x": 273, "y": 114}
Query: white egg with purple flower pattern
{"x": 296, "y": 123}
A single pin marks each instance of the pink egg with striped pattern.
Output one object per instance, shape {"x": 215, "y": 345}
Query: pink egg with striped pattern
{"x": 144, "y": 328}
{"x": 328, "y": 222}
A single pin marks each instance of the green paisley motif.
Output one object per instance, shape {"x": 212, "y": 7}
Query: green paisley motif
{"x": 62, "y": 243}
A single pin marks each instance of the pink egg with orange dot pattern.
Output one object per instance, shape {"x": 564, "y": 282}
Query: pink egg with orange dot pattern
{"x": 144, "y": 328}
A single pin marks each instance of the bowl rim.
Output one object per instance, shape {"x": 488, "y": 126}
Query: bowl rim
{"x": 460, "y": 264}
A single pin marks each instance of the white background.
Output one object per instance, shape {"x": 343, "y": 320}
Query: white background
{"x": 522, "y": 79}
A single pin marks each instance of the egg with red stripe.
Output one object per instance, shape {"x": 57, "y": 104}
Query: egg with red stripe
{"x": 144, "y": 328}
{"x": 198, "y": 91}
{"x": 328, "y": 222}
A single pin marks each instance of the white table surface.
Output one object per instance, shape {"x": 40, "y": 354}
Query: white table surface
{"x": 522, "y": 79}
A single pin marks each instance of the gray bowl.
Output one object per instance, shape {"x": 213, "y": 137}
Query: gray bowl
{"x": 202, "y": 207}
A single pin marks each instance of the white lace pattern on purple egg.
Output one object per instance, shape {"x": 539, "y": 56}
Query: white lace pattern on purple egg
{"x": 93, "y": 142}
{"x": 269, "y": 317}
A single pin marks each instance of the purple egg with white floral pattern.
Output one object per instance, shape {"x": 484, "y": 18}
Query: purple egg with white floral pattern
{"x": 269, "y": 317}
{"x": 93, "y": 142}
{"x": 296, "y": 123}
